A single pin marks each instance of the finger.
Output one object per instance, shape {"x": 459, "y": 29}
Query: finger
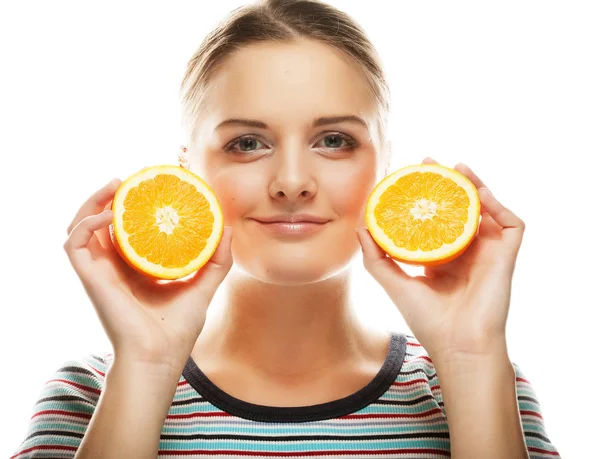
{"x": 429, "y": 160}
{"x": 383, "y": 268}
{"x": 468, "y": 172}
{"x": 501, "y": 215}
{"x": 81, "y": 236}
{"x": 103, "y": 236}
{"x": 96, "y": 203}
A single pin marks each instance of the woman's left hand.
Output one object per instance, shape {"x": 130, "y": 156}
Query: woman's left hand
{"x": 458, "y": 309}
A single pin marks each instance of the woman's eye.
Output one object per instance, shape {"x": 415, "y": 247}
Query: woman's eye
{"x": 244, "y": 144}
{"x": 336, "y": 141}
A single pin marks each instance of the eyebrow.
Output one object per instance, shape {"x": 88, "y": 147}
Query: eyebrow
{"x": 322, "y": 121}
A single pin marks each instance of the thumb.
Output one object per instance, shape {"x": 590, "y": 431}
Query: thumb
{"x": 222, "y": 257}
{"x": 209, "y": 277}
{"x": 382, "y": 267}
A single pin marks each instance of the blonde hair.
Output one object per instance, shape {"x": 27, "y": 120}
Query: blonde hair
{"x": 282, "y": 20}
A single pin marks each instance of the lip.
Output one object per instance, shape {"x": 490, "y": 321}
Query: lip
{"x": 294, "y": 218}
{"x": 292, "y": 228}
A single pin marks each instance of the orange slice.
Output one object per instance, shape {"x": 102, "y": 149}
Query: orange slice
{"x": 167, "y": 222}
{"x": 425, "y": 214}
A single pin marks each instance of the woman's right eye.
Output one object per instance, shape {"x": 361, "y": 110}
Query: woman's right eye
{"x": 245, "y": 144}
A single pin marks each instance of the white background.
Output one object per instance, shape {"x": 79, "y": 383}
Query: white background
{"x": 89, "y": 91}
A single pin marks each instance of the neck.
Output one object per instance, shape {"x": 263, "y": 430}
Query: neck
{"x": 282, "y": 330}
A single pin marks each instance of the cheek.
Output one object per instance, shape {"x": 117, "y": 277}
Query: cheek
{"x": 237, "y": 192}
{"x": 349, "y": 190}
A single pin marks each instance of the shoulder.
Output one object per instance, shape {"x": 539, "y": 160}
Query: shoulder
{"x": 84, "y": 374}
{"x": 73, "y": 389}
{"x": 95, "y": 364}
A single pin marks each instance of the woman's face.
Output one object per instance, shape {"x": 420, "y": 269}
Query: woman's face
{"x": 285, "y": 160}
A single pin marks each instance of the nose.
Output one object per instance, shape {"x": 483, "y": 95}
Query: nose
{"x": 293, "y": 178}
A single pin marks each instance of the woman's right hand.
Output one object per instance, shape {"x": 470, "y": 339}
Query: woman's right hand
{"x": 145, "y": 320}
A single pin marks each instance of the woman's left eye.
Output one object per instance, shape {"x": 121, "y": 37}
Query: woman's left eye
{"x": 245, "y": 145}
{"x": 334, "y": 140}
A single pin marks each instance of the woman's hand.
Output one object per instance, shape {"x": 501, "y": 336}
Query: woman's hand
{"x": 458, "y": 309}
{"x": 146, "y": 320}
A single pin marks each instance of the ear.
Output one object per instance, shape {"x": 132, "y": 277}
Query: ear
{"x": 182, "y": 158}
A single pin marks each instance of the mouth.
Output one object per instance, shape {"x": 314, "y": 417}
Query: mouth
{"x": 291, "y": 228}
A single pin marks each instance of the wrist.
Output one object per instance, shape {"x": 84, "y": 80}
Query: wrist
{"x": 160, "y": 372}
{"x": 469, "y": 369}
{"x": 476, "y": 353}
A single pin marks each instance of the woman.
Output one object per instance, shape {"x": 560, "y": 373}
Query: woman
{"x": 285, "y": 105}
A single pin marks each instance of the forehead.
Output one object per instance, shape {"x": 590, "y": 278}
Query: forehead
{"x": 285, "y": 80}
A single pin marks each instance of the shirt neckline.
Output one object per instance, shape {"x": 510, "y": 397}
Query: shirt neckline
{"x": 382, "y": 381}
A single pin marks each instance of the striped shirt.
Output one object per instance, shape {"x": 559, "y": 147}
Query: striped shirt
{"x": 399, "y": 414}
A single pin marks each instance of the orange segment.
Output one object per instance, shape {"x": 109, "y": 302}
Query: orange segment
{"x": 167, "y": 222}
{"x": 426, "y": 214}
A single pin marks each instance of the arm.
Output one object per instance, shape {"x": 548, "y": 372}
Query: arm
{"x": 131, "y": 411}
{"x": 480, "y": 401}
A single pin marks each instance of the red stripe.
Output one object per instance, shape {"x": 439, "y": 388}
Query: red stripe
{"x": 304, "y": 454}
{"x": 523, "y": 380}
{"x": 67, "y": 413}
{"x": 182, "y": 383}
{"x": 57, "y": 448}
{"x": 415, "y": 381}
{"x": 543, "y": 451}
{"x": 391, "y": 415}
{"x": 532, "y": 413}
{"x": 424, "y": 357}
{"x": 80, "y": 386}
{"x": 96, "y": 370}
{"x": 409, "y": 383}
{"x": 414, "y": 344}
